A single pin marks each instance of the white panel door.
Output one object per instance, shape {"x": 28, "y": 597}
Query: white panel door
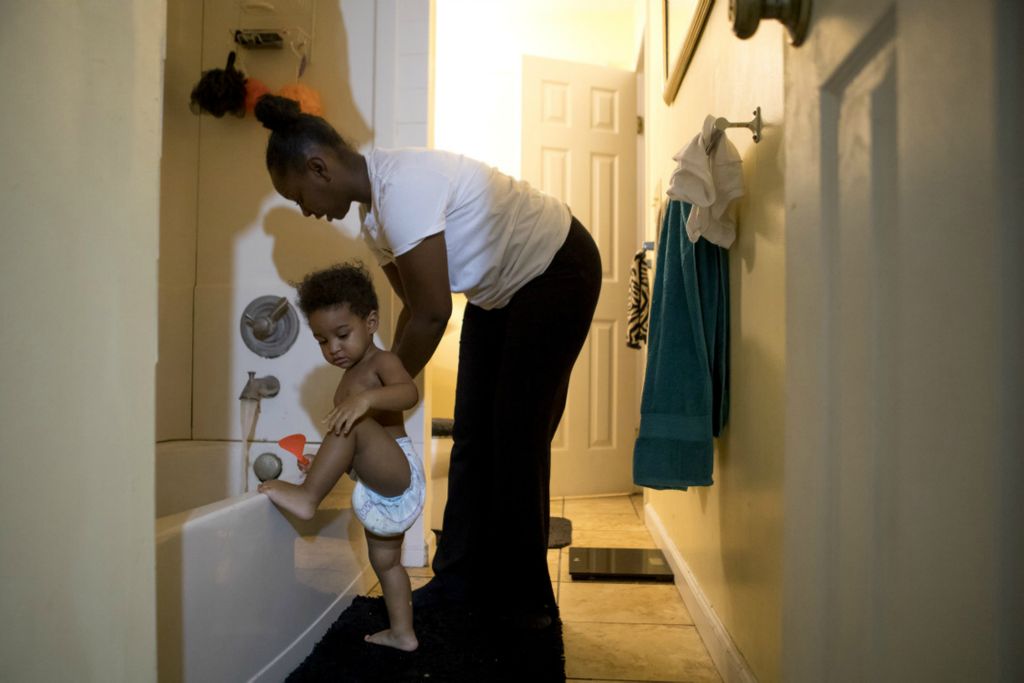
{"x": 579, "y": 144}
{"x": 896, "y": 347}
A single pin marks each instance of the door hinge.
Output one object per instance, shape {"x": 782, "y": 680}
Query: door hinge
{"x": 639, "y": 125}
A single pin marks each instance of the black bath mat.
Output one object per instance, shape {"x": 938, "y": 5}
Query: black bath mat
{"x": 456, "y": 646}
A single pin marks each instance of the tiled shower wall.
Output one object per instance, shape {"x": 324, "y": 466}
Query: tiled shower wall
{"x": 227, "y": 238}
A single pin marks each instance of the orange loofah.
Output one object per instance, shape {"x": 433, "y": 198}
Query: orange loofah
{"x": 254, "y": 90}
{"x": 308, "y": 99}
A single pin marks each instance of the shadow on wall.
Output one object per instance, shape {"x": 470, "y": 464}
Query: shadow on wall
{"x": 330, "y": 74}
{"x": 769, "y": 201}
{"x": 303, "y": 244}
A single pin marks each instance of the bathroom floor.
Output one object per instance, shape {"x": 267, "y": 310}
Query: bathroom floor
{"x": 624, "y": 632}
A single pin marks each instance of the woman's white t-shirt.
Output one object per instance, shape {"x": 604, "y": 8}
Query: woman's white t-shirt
{"x": 500, "y": 232}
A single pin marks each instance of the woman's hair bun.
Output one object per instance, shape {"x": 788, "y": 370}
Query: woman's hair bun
{"x": 277, "y": 113}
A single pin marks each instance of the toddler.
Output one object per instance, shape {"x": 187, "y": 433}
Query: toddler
{"x": 366, "y": 436}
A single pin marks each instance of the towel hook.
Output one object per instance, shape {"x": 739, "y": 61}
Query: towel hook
{"x": 721, "y": 123}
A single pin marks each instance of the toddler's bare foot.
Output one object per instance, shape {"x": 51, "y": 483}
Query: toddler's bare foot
{"x": 292, "y": 498}
{"x": 389, "y": 638}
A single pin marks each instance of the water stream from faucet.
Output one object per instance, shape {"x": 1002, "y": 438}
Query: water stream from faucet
{"x": 250, "y": 409}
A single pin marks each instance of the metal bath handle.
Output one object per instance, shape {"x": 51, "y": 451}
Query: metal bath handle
{"x": 263, "y": 326}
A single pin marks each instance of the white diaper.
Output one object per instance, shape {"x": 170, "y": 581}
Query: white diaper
{"x": 385, "y": 516}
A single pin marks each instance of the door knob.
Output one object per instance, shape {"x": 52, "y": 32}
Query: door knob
{"x": 795, "y": 15}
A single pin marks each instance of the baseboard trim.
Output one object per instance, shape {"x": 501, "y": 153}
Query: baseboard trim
{"x": 724, "y": 653}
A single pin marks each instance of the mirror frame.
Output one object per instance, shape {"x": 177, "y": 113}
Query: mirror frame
{"x": 676, "y": 64}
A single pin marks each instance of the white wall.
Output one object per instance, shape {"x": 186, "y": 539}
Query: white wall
{"x": 480, "y": 48}
{"x": 477, "y": 110}
{"x": 81, "y": 139}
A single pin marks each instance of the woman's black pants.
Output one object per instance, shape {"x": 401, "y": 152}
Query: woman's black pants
{"x": 513, "y": 379}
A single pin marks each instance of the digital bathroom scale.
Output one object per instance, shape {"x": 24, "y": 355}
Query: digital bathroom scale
{"x": 618, "y": 564}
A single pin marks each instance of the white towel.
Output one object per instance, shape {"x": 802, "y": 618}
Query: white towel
{"x": 710, "y": 184}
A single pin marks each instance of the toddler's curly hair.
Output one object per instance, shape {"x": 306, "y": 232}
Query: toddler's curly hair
{"x": 343, "y": 283}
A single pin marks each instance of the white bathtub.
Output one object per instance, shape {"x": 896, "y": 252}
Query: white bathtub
{"x": 244, "y": 593}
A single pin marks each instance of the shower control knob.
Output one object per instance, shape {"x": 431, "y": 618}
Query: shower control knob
{"x": 269, "y": 326}
{"x": 263, "y": 326}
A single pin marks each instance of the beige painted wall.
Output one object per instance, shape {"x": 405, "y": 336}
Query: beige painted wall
{"x": 179, "y": 189}
{"x": 730, "y": 534}
{"x": 81, "y": 140}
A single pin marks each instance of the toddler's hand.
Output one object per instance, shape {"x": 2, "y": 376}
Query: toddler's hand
{"x": 346, "y": 414}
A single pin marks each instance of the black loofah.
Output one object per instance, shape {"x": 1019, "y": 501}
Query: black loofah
{"x": 220, "y": 91}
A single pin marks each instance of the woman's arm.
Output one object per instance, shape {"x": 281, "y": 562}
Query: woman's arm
{"x": 391, "y": 270}
{"x": 422, "y": 275}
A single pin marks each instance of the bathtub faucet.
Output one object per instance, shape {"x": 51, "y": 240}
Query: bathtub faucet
{"x": 260, "y": 387}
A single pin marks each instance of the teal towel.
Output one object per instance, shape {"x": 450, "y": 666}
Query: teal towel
{"x": 686, "y": 389}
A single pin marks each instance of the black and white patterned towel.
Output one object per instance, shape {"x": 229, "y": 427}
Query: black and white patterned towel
{"x": 639, "y": 306}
